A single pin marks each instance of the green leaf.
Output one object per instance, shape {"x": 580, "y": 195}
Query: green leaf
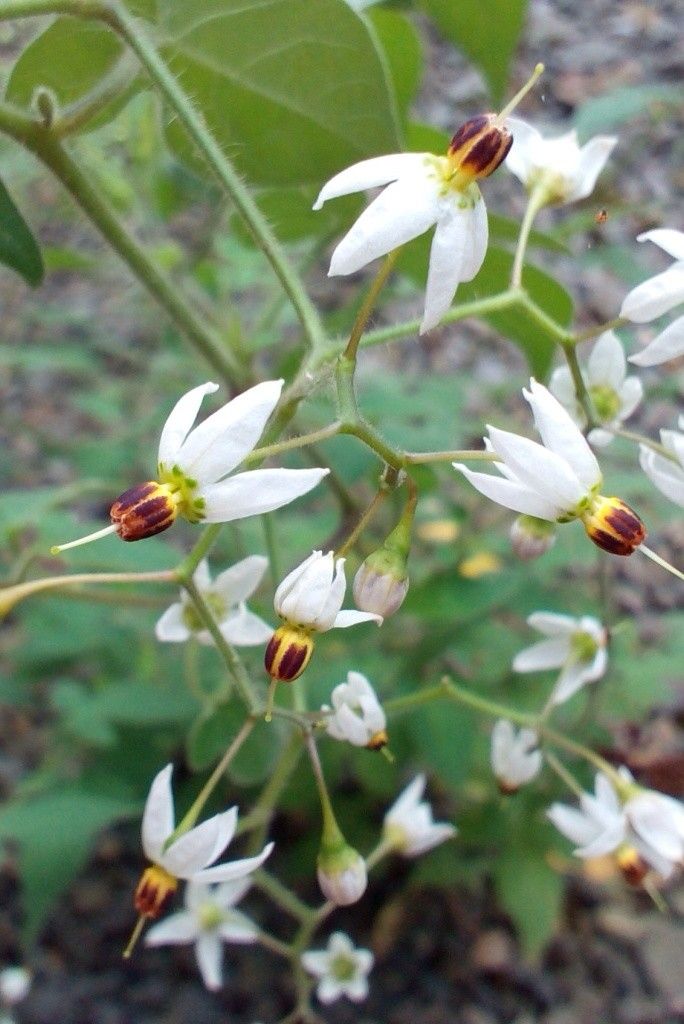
{"x": 486, "y": 30}
{"x": 529, "y": 889}
{"x": 18, "y": 248}
{"x": 212, "y": 733}
{"x": 401, "y": 45}
{"x": 612, "y": 109}
{"x": 304, "y": 94}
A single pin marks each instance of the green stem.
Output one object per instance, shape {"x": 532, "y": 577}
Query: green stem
{"x": 368, "y": 305}
{"x": 583, "y": 397}
{"x": 546, "y": 322}
{"x": 593, "y": 332}
{"x": 73, "y": 118}
{"x": 457, "y": 455}
{"x": 372, "y": 439}
{"x": 537, "y": 199}
{"x": 268, "y": 798}
{"x": 269, "y": 941}
{"x": 185, "y": 570}
{"x": 292, "y": 443}
{"x": 331, "y": 830}
{"x": 281, "y": 895}
{"x": 480, "y": 307}
{"x": 630, "y": 435}
{"x": 363, "y": 522}
{"x": 562, "y": 772}
{"x": 190, "y": 818}
{"x": 9, "y": 596}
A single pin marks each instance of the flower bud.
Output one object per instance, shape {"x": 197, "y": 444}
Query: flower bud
{"x": 155, "y": 889}
{"x": 144, "y": 510}
{"x": 341, "y": 873}
{"x": 288, "y": 653}
{"x": 532, "y": 537}
{"x": 381, "y": 582}
{"x": 612, "y": 525}
{"x": 480, "y": 146}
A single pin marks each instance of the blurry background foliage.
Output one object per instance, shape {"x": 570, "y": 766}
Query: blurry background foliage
{"x": 294, "y": 91}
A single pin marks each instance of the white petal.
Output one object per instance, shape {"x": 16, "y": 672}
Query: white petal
{"x": 245, "y": 629}
{"x": 503, "y": 736}
{"x": 173, "y": 931}
{"x": 632, "y": 391}
{"x": 512, "y": 495}
{"x": 665, "y": 474}
{"x": 209, "y": 952}
{"x": 179, "y": 422}
{"x": 447, "y": 254}
{"x": 241, "y": 580}
{"x": 577, "y": 827}
{"x": 158, "y": 816}
{"x": 541, "y": 656}
{"x": 227, "y": 894}
{"x": 572, "y": 678}
{"x": 171, "y": 627}
{"x": 370, "y": 173}
{"x": 350, "y": 617}
{"x": 357, "y": 989}
{"x": 329, "y": 989}
{"x": 408, "y": 800}
{"x": 201, "y": 845}
{"x": 656, "y": 296}
{"x": 325, "y": 618}
{"x": 605, "y": 842}
{"x": 256, "y": 492}
{"x": 315, "y": 961}
{"x": 235, "y": 869}
{"x": 238, "y": 928}
{"x": 552, "y": 624}
{"x": 221, "y": 442}
{"x": 607, "y": 364}
{"x": 526, "y": 140}
{"x": 669, "y": 239}
{"x": 404, "y": 210}
{"x": 669, "y": 344}
{"x": 592, "y": 160}
{"x": 303, "y": 594}
{"x": 539, "y": 468}
{"x": 561, "y": 387}
{"x": 655, "y": 821}
{"x": 352, "y": 727}
{"x": 561, "y": 435}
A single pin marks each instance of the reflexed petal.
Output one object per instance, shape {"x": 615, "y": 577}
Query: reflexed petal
{"x": 350, "y": 617}
{"x": 605, "y": 842}
{"x": 552, "y": 624}
{"x": 256, "y": 492}
{"x": 572, "y": 678}
{"x": 632, "y": 391}
{"x": 573, "y": 824}
{"x": 592, "y": 160}
{"x": 288, "y": 584}
{"x": 179, "y": 422}
{"x": 656, "y": 296}
{"x": 171, "y": 627}
{"x": 235, "y": 869}
{"x": 238, "y": 928}
{"x": 447, "y": 255}
{"x": 561, "y": 387}
{"x": 606, "y": 796}
{"x": 245, "y": 629}
{"x": 478, "y": 238}
{"x": 175, "y": 930}
{"x": 669, "y": 344}
{"x": 539, "y": 468}
{"x": 503, "y": 736}
{"x": 222, "y": 441}
{"x": 201, "y": 845}
{"x": 202, "y": 575}
{"x": 209, "y": 952}
{"x": 351, "y": 727}
{"x": 669, "y": 239}
{"x": 241, "y": 580}
{"x": 380, "y": 170}
{"x": 541, "y": 656}
{"x": 607, "y": 363}
{"x": 302, "y": 595}
{"x": 515, "y": 496}
{"x": 325, "y": 618}
{"x": 158, "y": 816}
{"x": 526, "y": 140}
{"x": 665, "y": 474}
{"x": 407, "y": 801}
{"x": 655, "y": 818}
{"x": 403, "y": 211}
{"x": 560, "y": 434}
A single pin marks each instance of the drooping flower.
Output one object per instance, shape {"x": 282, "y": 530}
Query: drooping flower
{"x": 515, "y": 759}
{"x": 642, "y": 827}
{"x": 666, "y": 473}
{"x": 658, "y": 295}
{"x": 356, "y": 714}
{"x": 613, "y": 394}
{"x": 187, "y": 856}
{"x": 209, "y": 920}
{"x": 576, "y": 646}
{"x": 226, "y": 597}
{"x": 558, "y": 480}
{"x": 341, "y": 969}
{"x": 193, "y": 464}
{"x": 558, "y": 169}
{"x": 309, "y": 600}
{"x": 409, "y": 827}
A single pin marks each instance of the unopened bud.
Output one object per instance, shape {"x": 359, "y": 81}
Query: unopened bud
{"x": 342, "y": 873}
{"x": 612, "y": 525}
{"x": 532, "y": 537}
{"x": 480, "y": 146}
{"x": 288, "y": 653}
{"x": 144, "y": 510}
{"x": 381, "y": 583}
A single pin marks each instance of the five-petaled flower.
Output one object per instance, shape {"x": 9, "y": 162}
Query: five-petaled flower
{"x": 614, "y": 396}
{"x": 576, "y": 646}
{"x": 659, "y": 295}
{"x": 356, "y": 714}
{"x": 514, "y": 756}
{"x": 209, "y": 920}
{"x": 186, "y": 854}
{"x": 557, "y": 170}
{"x": 193, "y": 464}
{"x": 667, "y": 472}
{"x": 341, "y": 969}
{"x": 309, "y": 600}
{"x": 409, "y": 828}
{"x": 226, "y": 597}
{"x": 558, "y": 480}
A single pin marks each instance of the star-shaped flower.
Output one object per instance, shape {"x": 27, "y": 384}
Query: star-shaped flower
{"x": 576, "y": 646}
{"x": 409, "y": 827}
{"x": 561, "y": 170}
{"x": 659, "y": 295}
{"x": 356, "y": 714}
{"x": 613, "y": 394}
{"x": 515, "y": 759}
{"x": 666, "y": 473}
{"x": 226, "y": 597}
{"x": 209, "y": 920}
{"x": 341, "y": 969}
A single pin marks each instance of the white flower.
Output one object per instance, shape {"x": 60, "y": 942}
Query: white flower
{"x": 421, "y": 191}
{"x": 659, "y": 295}
{"x": 187, "y": 856}
{"x": 311, "y": 595}
{"x": 356, "y": 714}
{"x": 558, "y": 166}
{"x": 667, "y": 474}
{"x": 614, "y": 395}
{"x": 599, "y": 827}
{"x": 514, "y": 758}
{"x": 226, "y": 597}
{"x": 209, "y": 920}
{"x": 558, "y": 480}
{"x": 342, "y": 969}
{"x": 656, "y": 825}
{"x": 15, "y": 983}
{"x": 409, "y": 826}
{"x": 576, "y": 646}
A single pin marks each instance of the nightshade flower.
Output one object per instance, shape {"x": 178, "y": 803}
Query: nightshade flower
{"x": 515, "y": 759}
{"x": 15, "y": 983}
{"x": 576, "y": 646}
{"x": 189, "y": 855}
{"x": 558, "y": 480}
{"x": 309, "y": 599}
{"x": 356, "y": 714}
{"x": 557, "y": 169}
{"x": 209, "y": 920}
{"x": 666, "y": 473}
{"x": 341, "y": 969}
{"x": 613, "y": 394}
{"x": 659, "y": 295}
{"x": 193, "y": 463}
{"x": 409, "y": 827}
{"x": 226, "y": 597}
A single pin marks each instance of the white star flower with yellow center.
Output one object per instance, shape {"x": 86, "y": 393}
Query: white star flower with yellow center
{"x": 577, "y": 646}
{"x": 341, "y": 969}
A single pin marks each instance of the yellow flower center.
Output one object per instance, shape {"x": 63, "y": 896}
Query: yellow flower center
{"x": 606, "y": 402}
{"x": 183, "y": 490}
